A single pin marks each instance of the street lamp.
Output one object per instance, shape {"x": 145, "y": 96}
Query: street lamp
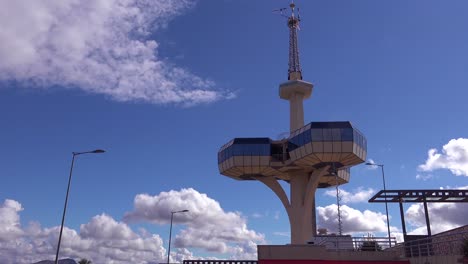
{"x": 386, "y": 206}
{"x": 66, "y": 197}
{"x": 170, "y": 232}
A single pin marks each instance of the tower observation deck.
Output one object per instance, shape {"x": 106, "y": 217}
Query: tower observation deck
{"x": 315, "y": 155}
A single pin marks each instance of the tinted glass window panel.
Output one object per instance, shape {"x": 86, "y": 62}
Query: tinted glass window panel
{"x": 307, "y": 137}
{"x": 292, "y": 146}
{"x": 237, "y": 150}
{"x": 243, "y": 150}
{"x": 229, "y": 152}
{"x": 263, "y": 150}
{"x": 301, "y": 139}
{"x": 249, "y": 149}
{"x": 226, "y": 153}
{"x": 347, "y": 134}
{"x": 258, "y": 150}
{"x": 336, "y": 134}
{"x": 317, "y": 134}
{"x": 297, "y": 140}
{"x": 327, "y": 134}
{"x": 255, "y": 150}
{"x": 358, "y": 139}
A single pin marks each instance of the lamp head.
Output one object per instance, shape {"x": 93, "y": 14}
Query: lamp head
{"x": 98, "y": 151}
{"x": 181, "y": 211}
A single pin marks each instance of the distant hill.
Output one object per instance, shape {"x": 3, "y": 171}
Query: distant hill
{"x": 61, "y": 261}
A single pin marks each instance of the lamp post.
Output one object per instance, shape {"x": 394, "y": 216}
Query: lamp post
{"x": 66, "y": 197}
{"x": 170, "y": 232}
{"x": 386, "y": 206}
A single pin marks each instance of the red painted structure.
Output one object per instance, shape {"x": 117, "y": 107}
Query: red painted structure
{"x": 287, "y": 261}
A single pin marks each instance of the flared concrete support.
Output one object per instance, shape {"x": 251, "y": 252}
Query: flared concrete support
{"x": 301, "y": 205}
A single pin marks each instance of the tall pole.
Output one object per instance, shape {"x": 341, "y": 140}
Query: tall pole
{"x": 170, "y": 233}
{"x": 386, "y": 204}
{"x": 66, "y": 197}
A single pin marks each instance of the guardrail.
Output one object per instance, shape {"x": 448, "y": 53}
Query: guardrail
{"x": 349, "y": 243}
{"x": 438, "y": 245}
{"x": 373, "y": 243}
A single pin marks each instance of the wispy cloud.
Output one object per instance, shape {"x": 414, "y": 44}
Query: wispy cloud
{"x": 424, "y": 177}
{"x": 277, "y": 215}
{"x": 454, "y": 157}
{"x": 101, "y": 47}
{"x": 284, "y": 234}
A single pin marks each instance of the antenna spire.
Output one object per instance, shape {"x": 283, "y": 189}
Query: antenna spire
{"x": 294, "y": 70}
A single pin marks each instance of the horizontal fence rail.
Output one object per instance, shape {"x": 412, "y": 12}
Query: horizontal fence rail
{"x": 349, "y": 243}
{"x": 439, "y": 245}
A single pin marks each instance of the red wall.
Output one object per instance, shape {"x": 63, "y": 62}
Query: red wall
{"x": 285, "y": 261}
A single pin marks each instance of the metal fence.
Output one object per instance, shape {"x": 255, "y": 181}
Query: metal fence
{"x": 439, "y": 245}
{"x": 349, "y": 243}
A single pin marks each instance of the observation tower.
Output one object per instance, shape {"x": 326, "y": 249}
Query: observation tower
{"x": 315, "y": 155}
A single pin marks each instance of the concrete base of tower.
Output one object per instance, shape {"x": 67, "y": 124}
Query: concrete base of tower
{"x": 311, "y": 254}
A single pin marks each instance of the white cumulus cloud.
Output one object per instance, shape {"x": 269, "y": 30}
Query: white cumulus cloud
{"x": 207, "y": 225}
{"x": 103, "y": 240}
{"x": 454, "y": 157}
{"x": 10, "y": 227}
{"x": 354, "y": 221}
{"x": 101, "y": 46}
{"x": 442, "y": 216}
{"x": 358, "y": 196}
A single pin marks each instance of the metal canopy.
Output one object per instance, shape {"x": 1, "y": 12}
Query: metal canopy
{"x": 420, "y": 196}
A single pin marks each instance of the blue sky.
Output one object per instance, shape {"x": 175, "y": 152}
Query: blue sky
{"x": 162, "y": 85}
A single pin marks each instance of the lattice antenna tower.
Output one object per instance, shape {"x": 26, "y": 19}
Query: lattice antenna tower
{"x": 294, "y": 66}
{"x": 338, "y": 201}
{"x": 294, "y": 70}
{"x": 338, "y": 206}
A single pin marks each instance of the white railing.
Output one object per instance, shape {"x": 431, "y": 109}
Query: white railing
{"x": 349, "y": 243}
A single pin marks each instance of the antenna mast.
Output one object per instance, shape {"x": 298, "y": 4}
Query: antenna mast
{"x": 294, "y": 70}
